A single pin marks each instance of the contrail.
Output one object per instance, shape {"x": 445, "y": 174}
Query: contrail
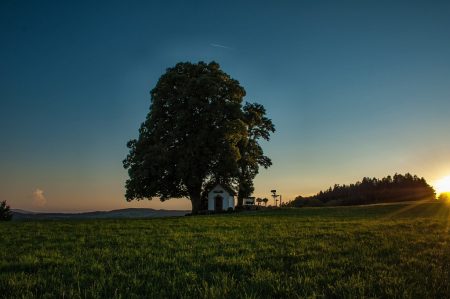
{"x": 221, "y": 46}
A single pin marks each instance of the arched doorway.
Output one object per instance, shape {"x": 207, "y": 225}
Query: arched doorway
{"x": 218, "y": 205}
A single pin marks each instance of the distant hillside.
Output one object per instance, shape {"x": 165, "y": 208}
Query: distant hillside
{"x": 123, "y": 213}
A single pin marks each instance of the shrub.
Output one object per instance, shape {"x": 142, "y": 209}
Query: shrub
{"x": 5, "y": 212}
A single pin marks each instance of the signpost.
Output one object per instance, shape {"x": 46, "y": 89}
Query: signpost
{"x": 275, "y": 197}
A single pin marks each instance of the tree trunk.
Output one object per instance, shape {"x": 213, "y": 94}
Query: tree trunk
{"x": 195, "y": 191}
{"x": 240, "y": 200}
{"x": 196, "y": 203}
{"x": 240, "y": 195}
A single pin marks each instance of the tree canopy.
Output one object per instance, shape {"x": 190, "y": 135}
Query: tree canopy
{"x": 196, "y": 133}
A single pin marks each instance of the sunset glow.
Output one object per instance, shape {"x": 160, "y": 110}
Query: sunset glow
{"x": 442, "y": 185}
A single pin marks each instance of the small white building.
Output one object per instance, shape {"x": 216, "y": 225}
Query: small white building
{"x": 249, "y": 201}
{"x": 220, "y": 198}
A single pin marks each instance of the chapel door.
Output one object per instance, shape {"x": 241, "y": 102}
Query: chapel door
{"x": 218, "y": 203}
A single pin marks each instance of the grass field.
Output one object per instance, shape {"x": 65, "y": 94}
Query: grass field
{"x": 395, "y": 251}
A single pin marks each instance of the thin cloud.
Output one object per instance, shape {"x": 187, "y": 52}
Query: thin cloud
{"x": 221, "y": 46}
{"x": 39, "y": 198}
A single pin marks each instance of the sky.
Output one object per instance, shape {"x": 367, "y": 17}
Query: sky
{"x": 354, "y": 88}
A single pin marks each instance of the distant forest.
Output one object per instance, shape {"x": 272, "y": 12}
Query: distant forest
{"x": 371, "y": 190}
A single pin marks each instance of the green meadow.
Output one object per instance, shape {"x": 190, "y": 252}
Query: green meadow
{"x": 386, "y": 251}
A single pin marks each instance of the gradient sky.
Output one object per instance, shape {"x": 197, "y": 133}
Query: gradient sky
{"x": 355, "y": 88}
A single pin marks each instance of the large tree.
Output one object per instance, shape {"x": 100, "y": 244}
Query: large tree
{"x": 196, "y": 133}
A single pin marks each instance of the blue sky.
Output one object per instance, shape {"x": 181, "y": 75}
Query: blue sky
{"x": 355, "y": 88}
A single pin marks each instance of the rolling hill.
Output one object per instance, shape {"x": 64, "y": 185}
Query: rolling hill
{"x": 122, "y": 213}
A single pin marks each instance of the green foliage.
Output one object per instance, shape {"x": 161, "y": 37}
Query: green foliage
{"x": 392, "y": 251}
{"x": 371, "y": 190}
{"x": 5, "y": 212}
{"x": 195, "y": 134}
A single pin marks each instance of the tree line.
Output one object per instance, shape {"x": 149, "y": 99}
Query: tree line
{"x": 394, "y": 188}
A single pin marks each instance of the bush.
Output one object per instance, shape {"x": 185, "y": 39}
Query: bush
{"x": 5, "y": 212}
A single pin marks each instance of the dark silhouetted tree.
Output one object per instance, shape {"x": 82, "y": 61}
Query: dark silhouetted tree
{"x": 195, "y": 134}
{"x": 5, "y": 211}
{"x": 259, "y": 201}
{"x": 265, "y": 201}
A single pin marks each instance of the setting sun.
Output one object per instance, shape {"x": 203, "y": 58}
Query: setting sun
{"x": 443, "y": 185}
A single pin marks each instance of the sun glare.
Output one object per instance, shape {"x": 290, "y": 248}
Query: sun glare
{"x": 443, "y": 185}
